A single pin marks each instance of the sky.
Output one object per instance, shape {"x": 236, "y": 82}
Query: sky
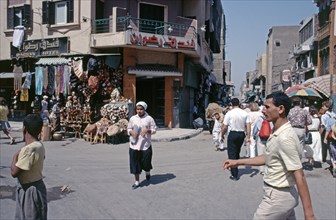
{"x": 248, "y": 23}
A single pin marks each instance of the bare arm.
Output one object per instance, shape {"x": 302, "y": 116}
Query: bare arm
{"x": 255, "y": 161}
{"x": 248, "y": 132}
{"x": 303, "y": 190}
{"x": 224, "y": 130}
{"x": 14, "y": 169}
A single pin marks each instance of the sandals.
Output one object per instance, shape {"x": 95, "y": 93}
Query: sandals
{"x": 12, "y": 141}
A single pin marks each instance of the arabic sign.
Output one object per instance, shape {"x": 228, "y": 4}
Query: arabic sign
{"x": 162, "y": 41}
{"x": 42, "y": 47}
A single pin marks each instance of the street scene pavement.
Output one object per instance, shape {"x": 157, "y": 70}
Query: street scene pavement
{"x": 86, "y": 181}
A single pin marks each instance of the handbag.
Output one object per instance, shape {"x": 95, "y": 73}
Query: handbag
{"x": 308, "y": 138}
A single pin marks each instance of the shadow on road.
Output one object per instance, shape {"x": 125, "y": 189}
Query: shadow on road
{"x": 58, "y": 192}
{"x": 248, "y": 170}
{"x": 157, "y": 179}
{"x": 53, "y": 193}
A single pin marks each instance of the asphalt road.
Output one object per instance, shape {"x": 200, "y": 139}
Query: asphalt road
{"x": 87, "y": 181}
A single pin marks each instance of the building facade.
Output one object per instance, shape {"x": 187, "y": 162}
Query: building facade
{"x": 278, "y": 46}
{"x": 163, "y": 49}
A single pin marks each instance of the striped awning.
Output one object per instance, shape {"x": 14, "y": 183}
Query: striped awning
{"x": 320, "y": 83}
{"x": 52, "y": 61}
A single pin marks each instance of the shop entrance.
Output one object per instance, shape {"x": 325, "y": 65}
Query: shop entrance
{"x": 151, "y": 91}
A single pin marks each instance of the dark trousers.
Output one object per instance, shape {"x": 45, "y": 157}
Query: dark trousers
{"x": 234, "y": 143}
{"x": 325, "y": 148}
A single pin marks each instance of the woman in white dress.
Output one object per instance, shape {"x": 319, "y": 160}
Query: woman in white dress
{"x": 254, "y": 114}
{"x": 314, "y": 151}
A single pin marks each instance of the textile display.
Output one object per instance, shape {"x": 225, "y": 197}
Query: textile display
{"x": 27, "y": 83}
{"x": 24, "y": 97}
{"x": 39, "y": 79}
{"x": 17, "y": 70}
{"x": 18, "y": 36}
{"x": 51, "y": 80}
{"x": 45, "y": 78}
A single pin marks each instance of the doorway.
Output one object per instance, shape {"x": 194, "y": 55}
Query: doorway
{"x": 152, "y": 92}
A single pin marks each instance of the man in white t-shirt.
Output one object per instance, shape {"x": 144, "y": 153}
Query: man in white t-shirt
{"x": 240, "y": 127}
{"x": 283, "y": 168}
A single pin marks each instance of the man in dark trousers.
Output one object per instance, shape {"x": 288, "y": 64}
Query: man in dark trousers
{"x": 240, "y": 127}
{"x": 27, "y": 166}
{"x": 283, "y": 168}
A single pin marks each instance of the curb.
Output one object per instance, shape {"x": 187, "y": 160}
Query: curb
{"x": 178, "y": 138}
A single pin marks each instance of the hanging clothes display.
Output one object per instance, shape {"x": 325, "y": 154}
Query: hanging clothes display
{"x": 39, "y": 79}
{"x": 27, "y": 83}
{"x": 18, "y": 36}
{"x": 78, "y": 69}
{"x": 61, "y": 71}
{"x": 57, "y": 81}
{"x": 17, "y": 70}
{"x": 45, "y": 78}
{"x": 51, "y": 80}
{"x": 66, "y": 79}
{"x": 24, "y": 97}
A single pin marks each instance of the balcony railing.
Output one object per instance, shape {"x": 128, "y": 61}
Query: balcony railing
{"x": 143, "y": 25}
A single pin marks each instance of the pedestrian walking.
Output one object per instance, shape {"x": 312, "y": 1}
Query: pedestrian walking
{"x": 253, "y": 115}
{"x": 299, "y": 118}
{"x": 283, "y": 165}
{"x": 313, "y": 151}
{"x": 240, "y": 127}
{"x": 327, "y": 120}
{"x": 4, "y": 125}
{"x": 216, "y": 131}
{"x": 27, "y": 167}
{"x": 331, "y": 138}
{"x": 140, "y": 129}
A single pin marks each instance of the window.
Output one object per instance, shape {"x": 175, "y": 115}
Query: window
{"x": 277, "y": 43}
{"x": 58, "y": 12}
{"x": 19, "y": 16}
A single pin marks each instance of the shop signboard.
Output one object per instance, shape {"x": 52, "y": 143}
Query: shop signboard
{"x": 41, "y": 48}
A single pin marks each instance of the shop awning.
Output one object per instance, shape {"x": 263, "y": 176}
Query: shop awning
{"x": 52, "y": 61}
{"x": 8, "y": 75}
{"x": 154, "y": 70}
{"x": 320, "y": 83}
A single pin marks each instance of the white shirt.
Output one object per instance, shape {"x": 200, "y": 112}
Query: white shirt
{"x": 236, "y": 119}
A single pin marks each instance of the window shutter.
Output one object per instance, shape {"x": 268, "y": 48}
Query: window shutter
{"x": 45, "y": 12}
{"x": 27, "y": 16}
{"x": 10, "y": 18}
{"x": 70, "y": 7}
{"x": 51, "y": 12}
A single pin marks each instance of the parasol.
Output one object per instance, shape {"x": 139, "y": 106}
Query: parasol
{"x": 306, "y": 92}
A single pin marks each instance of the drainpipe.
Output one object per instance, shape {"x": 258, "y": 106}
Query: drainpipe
{"x": 331, "y": 50}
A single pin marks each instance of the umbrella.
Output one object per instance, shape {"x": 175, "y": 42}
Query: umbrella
{"x": 306, "y": 92}
{"x": 294, "y": 88}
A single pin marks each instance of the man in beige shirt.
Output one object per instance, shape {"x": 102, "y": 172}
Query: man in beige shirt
{"x": 27, "y": 166}
{"x": 283, "y": 168}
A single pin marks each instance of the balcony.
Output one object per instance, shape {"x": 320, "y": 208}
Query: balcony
{"x": 147, "y": 34}
{"x": 324, "y": 31}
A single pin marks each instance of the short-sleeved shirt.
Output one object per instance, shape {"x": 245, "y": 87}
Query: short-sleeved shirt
{"x": 236, "y": 119}
{"x": 298, "y": 116}
{"x": 30, "y": 161}
{"x": 137, "y": 124}
{"x": 283, "y": 156}
{"x": 3, "y": 113}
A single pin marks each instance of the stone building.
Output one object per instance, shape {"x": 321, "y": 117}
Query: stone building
{"x": 163, "y": 48}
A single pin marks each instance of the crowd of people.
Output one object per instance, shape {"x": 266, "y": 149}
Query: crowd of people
{"x": 245, "y": 120}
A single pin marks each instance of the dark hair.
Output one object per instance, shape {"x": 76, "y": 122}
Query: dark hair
{"x": 297, "y": 101}
{"x": 313, "y": 110}
{"x": 280, "y": 98}
{"x": 33, "y": 124}
{"x": 235, "y": 102}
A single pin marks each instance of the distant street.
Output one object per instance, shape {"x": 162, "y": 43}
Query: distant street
{"x": 87, "y": 181}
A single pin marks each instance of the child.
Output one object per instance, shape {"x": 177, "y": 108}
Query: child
{"x": 216, "y": 131}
